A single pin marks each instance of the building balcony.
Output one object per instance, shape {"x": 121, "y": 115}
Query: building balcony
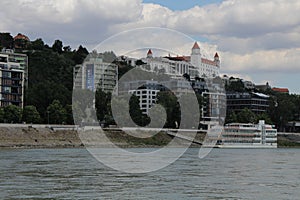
{"x": 12, "y": 101}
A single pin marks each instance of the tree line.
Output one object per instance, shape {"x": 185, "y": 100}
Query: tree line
{"x": 56, "y": 114}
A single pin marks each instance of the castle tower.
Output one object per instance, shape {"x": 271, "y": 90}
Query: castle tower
{"x": 217, "y": 59}
{"x": 149, "y": 54}
{"x": 196, "y": 55}
{"x": 196, "y": 48}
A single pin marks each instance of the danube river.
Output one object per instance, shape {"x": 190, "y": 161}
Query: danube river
{"x": 223, "y": 174}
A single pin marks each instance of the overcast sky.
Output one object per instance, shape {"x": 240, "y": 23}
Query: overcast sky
{"x": 257, "y": 39}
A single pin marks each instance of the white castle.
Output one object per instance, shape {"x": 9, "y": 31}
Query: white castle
{"x": 194, "y": 65}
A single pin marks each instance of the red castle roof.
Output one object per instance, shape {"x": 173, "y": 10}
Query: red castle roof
{"x": 21, "y": 37}
{"x": 180, "y": 58}
{"x": 282, "y": 90}
{"x": 196, "y": 46}
{"x": 149, "y": 52}
{"x": 208, "y": 62}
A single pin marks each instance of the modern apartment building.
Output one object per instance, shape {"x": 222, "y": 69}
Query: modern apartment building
{"x": 94, "y": 73}
{"x": 256, "y": 102}
{"x": 20, "y": 58}
{"x": 11, "y": 82}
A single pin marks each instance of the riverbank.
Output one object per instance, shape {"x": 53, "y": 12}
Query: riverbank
{"x": 31, "y": 137}
{"x": 288, "y": 140}
{"x": 54, "y": 137}
{"x": 43, "y": 136}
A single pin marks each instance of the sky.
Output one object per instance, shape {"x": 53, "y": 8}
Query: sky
{"x": 257, "y": 40}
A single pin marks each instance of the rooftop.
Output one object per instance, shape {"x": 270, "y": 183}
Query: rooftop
{"x": 196, "y": 46}
{"x": 282, "y": 90}
{"x": 21, "y": 37}
{"x": 149, "y": 52}
{"x": 209, "y": 62}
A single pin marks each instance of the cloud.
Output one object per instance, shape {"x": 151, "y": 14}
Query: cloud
{"x": 285, "y": 61}
{"x": 165, "y": 40}
{"x": 250, "y": 36}
{"x": 68, "y": 11}
{"x": 242, "y": 19}
{"x": 240, "y": 26}
{"x": 236, "y": 26}
{"x": 270, "y": 41}
{"x": 74, "y": 21}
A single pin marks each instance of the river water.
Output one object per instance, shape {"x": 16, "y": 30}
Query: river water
{"x": 223, "y": 174}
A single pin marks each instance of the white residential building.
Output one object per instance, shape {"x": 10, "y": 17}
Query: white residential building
{"x": 147, "y": 98}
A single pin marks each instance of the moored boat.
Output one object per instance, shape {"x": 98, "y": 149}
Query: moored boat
{"x": 239, "y": 135}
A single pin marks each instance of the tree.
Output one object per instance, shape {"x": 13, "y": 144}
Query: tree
{"x": 123, "y": 70}
{"x": 297, "y": 109}
{"x": 57, "y": 113}
{"x": 119, "y": 112}
{"x": 136, "y": 113}
{"x": 42, "y": 94}
{"x": 6, "y": 40}
{"x": 139, "y": 62}
{"x": 51, "y": 77}
{"x": 265, "y": 117}
{"x": 102, "y": 104}
{"x": 235, "y": 86}
{"x": 80, "y": 55}
{"x": 246, "y": 116}
{"x": 108, "y": 56}
{"x": 231, "y": 118}
{"x": 186, "y": 76}
{"x": 37, "y": 44}
{"x": 2, "y": 115}
{"x": 200, "y": 102}
{"x": 169, "y": 101}
{"x": 197, "y": 78}
{"x": 190, "y": 110}
{"x": 12, "y": 114}
{"x": 31, "y": 115}
{"x": 67, "y": 49}
{"x": 82, "y": 100}
{"x": 57, "y": 46}
{"x": 282, "y": 109}
{"x": 69, "y": 114}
